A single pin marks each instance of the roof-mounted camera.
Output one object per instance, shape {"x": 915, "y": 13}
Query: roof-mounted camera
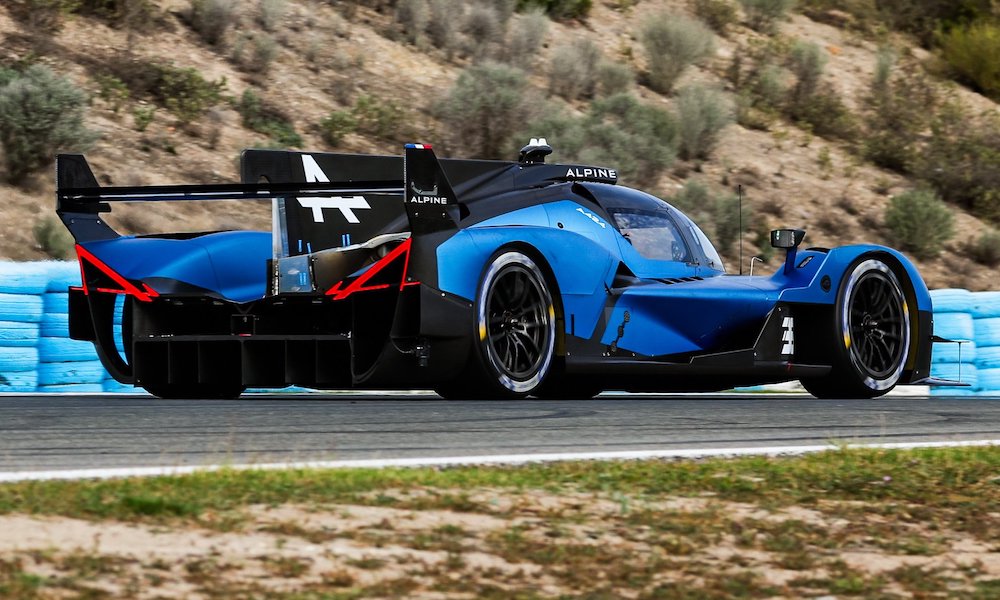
{"x": 535, "y": 152}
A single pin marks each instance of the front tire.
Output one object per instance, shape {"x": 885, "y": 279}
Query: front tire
{"x": 513, "y": 333}
{"x": 871, "y": 334}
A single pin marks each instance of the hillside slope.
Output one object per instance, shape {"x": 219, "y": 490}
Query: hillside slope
{"x": 317, "y": 58}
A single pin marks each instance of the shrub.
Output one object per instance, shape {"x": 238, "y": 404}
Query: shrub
{"x": 763, "y": 15}
{"x": 573, "y": 69}
{"x": 211, "y": 19}
{"x": 255, "y": 51}
{"x": 142, "y": 116}
{"x": 986, "y": 248}
{"x": 961, "y": 160}
{"x": 919, "y": 222}
{"x": 270, "y": 13}
{"x": 413, "y": 15}
{"x": 973, "y": 53}
{"x": 613, "y": 78}
{"x": 41, "y": 113}
{"x": 620, "y": 131}
{"x": 53, "y": 238}
{"x": 482, "y": 28}
{"x": 673, "y": 42}
{"x": 692, "y": 199}
{"x": 718, "y": 14}
{"x": 702, "y": 112}
{"x": 381, "y": 118}
{"x": 265, "y": 118}
{"x": 806, "y": 61}
{"x": 811, "y": 101}
{"x": 727, "y": 220}
{"x": 559, "y": 9}
{"x": 484, "y": 107}
{"x": 441, "y": 25}
{"x": 525, "y": 38}
{"x": 336, "y": 125}
{"x": 112, "y": 90}
{"x": 898, "y": 114}
{"x": 43, "y": 16}
{"x": 184, "y": 92}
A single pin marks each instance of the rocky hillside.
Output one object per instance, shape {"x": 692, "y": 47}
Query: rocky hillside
{"x": 800, "y": 107}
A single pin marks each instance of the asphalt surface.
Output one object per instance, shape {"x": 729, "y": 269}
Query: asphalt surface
{"x": 56, "y": 432}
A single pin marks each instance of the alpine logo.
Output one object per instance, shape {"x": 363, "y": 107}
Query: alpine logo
{"x": 788, "y": 336}
{"x": 591, "y": 173}
{"x": 426, "y": 196}
{"x": 345, "y": 204}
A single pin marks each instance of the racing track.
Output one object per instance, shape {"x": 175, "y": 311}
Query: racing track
{"x": 57, "y": 433}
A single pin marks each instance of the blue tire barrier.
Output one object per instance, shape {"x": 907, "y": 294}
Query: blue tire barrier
{"x": 13, "y": 333}
{"x": 91, "y": 371}
{"x": 72, "y": 388}
{"x": 989, "y": 379}
{"x": 988, "y": 358}
{"x": 25, "y": 381}
{"x": 112, "y": 385}
{"x": 985, "y": 305}
{"x": 951, "y": 300}
{"x": 17, "y": 360}
{"x": 55, "y": 325}
{"x": 951, "y": 326}
{"x": 969, "y": 373}
{"x": 62, "y": 276}
{"x": 20, "y": 308}
{"x": 945, "y": 352}
{"x": 987, "y": 331}
{"x": 23, "y": 278}
{"x": 55, "y": 302}
{"x": 61, "y": 349}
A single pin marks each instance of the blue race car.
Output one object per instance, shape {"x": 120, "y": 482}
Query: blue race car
{"x": 477, "y": 279}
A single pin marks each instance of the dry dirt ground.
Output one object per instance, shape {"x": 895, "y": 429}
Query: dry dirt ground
{"x": 325, "y": 61}
{"x": 504, "y": 544}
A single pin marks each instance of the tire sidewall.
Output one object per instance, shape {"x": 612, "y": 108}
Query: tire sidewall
{"x": 502, "y": 261}
{"x": 864, "y": 266}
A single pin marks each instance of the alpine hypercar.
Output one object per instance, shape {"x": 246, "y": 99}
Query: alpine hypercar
{"x": 477, "y": 279}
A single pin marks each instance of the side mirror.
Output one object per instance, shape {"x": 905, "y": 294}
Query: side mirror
{"x": 787, "y": 238}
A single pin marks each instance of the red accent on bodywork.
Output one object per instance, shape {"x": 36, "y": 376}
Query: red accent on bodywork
{"x": 358, "y": 285}
{"x": 146, "y": 295}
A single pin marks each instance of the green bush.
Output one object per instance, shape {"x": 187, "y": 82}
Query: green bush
{"x": 381, "y": 118}
{"x": 142, "y": 116}
{"x": 637, "y": 139}
{"x": 336, "y": 125}
{"x": 813, "y": 102}
{"x": 53, "y": 238}
{"x": 525, "y": 38}
{"x": 727, "y": 220}
{"x": 41, "y": 113}
{"x": 263, "y": 117}
{"x": 255, "y": 51}
{"x": 573, "y": 69}
{"x": 763, "y": 15}
{"x": 974, "y": 53}
{"x": 112, "y": 90}
{"x": 613, "y": 78}
{"x": 414, "y": 16}
{"x": 485, "y": 106}
{"x": 184, "y": 92}
{"x": 718, "y": 14}
{"x": 43, "y": 16}
{"x": 672, "y": 43}
{"x": 442, "y": 27}
{"x": 961, "y": 160}
{"x": 692, "y": 199}
{"x": 270, "y": 13}
{"x": 920, "y": 222}
{"x": 986, "y": 248}
{"x": 212, "y": 18}
{"x": 482, "y": 28}
{"x": 702, "y": 112}
{"x": 132, "y": 14}
{"x": 559, "y": 9}
{"x": 898, "y": 113}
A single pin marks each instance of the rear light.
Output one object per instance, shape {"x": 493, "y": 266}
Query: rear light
{"x": 339, "y": 291}
{"x": 114, "y": 283}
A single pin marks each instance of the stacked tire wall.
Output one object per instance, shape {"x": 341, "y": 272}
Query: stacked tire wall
{"x": 36, "y": 354}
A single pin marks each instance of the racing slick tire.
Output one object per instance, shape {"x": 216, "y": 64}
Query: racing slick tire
{"x": 514, "y": 332}
{"x": 871, "y": 334}
{"x": 173, "y": 391}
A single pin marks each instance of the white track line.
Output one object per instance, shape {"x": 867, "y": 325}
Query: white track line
{"x": 452, "y": 461}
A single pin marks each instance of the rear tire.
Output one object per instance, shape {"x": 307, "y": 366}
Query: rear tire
{"x": 173, "y": 391}
{"x": 871, "y": 334}
{"x": 513, "y": 332}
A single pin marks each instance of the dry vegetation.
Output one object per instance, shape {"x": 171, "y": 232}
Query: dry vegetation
{"x": 822, "y": 115}
{"x": 870, "y": 524}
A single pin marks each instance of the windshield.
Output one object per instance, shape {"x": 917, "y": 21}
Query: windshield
{"x": 653, "y": 234}
{"x": 711, "y": 254}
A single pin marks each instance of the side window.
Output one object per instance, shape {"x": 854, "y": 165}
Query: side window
{"x": 653, "y": 234}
